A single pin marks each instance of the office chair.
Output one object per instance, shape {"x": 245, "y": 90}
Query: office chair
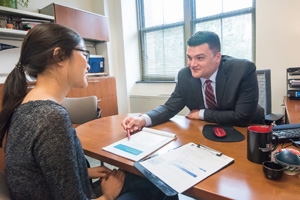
{"x": 4, "y": 193}
{"x": 82, "y": 109}
{"x": 265, "y": 98}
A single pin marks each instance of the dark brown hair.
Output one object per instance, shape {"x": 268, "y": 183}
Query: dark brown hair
{"x": 36, "y": 54}
{"x": 202, "y": 37}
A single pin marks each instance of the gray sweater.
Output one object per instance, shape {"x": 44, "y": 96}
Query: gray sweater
{"x": 44, "y": 158}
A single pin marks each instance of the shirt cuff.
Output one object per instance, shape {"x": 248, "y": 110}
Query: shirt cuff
{"x": 201, "y": 114}
{"x": 147, "y": 119}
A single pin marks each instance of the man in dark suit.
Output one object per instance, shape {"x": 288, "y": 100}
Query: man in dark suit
{"x": 233, "y": 99}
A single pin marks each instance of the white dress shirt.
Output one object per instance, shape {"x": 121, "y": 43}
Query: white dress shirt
{"x": 213, "y": 84}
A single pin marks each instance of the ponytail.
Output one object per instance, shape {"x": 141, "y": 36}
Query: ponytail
{"x": 15, "y": 89}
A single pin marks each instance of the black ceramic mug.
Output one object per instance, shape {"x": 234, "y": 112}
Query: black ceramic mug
{"x": 272, "y": 170}
{"x": 260, "y": 143}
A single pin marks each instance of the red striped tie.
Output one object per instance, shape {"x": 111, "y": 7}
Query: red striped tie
{"x": 210, "y": 96}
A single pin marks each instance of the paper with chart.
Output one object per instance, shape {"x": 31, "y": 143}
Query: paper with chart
{"x": 191, "y": 163}
{"x": 140, "y": 144}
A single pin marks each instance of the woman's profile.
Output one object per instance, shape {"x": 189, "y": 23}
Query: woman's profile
{"x": 43, "y": 156}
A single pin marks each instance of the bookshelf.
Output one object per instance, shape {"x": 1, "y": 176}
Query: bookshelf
{"x": 23, "y": 13}
{"x": 16, "y": 13}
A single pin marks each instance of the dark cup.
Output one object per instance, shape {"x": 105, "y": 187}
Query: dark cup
{"x": 260, "y": 143}
{"x": 272, "y": 170}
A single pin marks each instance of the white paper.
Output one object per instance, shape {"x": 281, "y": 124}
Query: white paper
{"x": 185, "y": 166}
{"x": 140, "y": 144}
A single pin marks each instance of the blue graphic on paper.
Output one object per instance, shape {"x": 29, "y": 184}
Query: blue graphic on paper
{"x": 128, "y": 149}
{"x": 6, "y": 46}
{"x": 185, "y": 170}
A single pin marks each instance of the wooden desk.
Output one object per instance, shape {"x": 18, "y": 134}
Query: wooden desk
{"x": 240, "y": 180}
{"x": 292, "y": 110}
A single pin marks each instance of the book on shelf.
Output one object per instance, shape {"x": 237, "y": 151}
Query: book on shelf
{"x": 29, "y": 23}
{"x": 33, "y": 20}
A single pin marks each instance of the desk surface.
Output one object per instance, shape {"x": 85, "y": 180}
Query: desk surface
{"x": 292, "y": 108}
{"x": 240, "y": 180}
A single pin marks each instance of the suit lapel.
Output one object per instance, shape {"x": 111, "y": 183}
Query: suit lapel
{"x": 197, "y": 90}
{"x": 221, "y": 81}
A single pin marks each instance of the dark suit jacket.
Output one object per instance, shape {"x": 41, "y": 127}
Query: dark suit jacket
{"x": 236, "y": 93}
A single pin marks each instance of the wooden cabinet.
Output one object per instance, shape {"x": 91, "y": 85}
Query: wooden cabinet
{"x": 89, "y": 25}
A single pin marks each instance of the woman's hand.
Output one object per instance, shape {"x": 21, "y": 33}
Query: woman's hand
{"x": 99, "y": 172}
{"x": 112, "y": 185}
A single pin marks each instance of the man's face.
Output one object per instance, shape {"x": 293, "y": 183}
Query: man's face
{"x": 202, "y": 61}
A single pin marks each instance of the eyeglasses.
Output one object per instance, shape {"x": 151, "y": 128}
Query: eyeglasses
{"x": 87, "y": 53}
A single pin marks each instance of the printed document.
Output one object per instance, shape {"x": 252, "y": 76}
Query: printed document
{"x": 140, "y": 144}
{"x": 183, "y": 167}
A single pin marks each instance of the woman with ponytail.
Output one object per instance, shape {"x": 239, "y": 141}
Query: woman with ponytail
{"x": 43, "y": 156}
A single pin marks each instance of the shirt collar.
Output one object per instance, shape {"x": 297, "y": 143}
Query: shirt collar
{"x": 212, "y": 77}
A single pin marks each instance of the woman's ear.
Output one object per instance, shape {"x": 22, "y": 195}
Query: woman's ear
{"x": 57, "y": 54}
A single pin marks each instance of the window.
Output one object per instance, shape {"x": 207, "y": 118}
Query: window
{"x": 165, "y": 26}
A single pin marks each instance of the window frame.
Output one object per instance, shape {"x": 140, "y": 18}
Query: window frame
{"x": 188, "y": 24}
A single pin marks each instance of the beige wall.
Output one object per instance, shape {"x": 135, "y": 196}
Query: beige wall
{"x": 277, "y": 42}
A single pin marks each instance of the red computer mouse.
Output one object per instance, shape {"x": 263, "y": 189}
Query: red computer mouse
{"x": 219, "y": 132}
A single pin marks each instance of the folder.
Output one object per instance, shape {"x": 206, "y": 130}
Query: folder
{"x": 190, "y": 162}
